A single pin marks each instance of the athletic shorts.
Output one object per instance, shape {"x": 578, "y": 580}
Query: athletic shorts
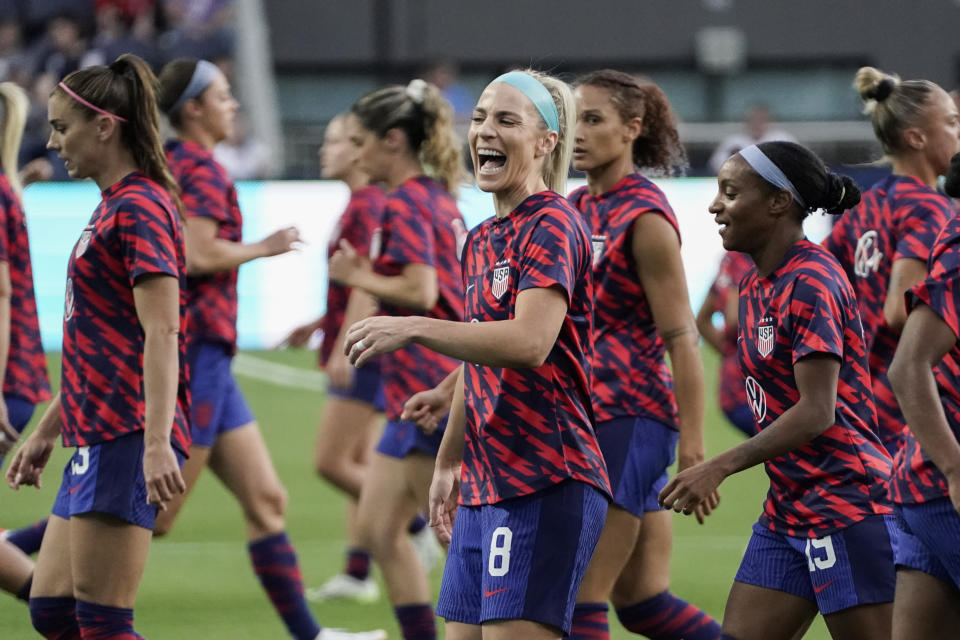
{"x": 522, "y": 558}
{"x": 638, "y": 452}
{"x": 217, "y": 403}
{"x": 366, "y": 387}
{"x": 19, "y": 412}
{"x": 849, "y": 568}
{"x": 742, "y": 419}
{"x": 930, "y": 539}
{"x": 401, "y": 438}
{"x": 108, "y": 478}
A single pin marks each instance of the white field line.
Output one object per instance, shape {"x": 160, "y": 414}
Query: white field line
{"x": 278, "y": 374}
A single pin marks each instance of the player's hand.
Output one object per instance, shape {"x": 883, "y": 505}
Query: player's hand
{"x": 281, "y": 241}
{"x": 339, "y": 371}
{"x": 427, "y": 408}
{"x": 161, "y": 471}
{"x": 687, "y": 458}
{"x": 373, "y": 336}
{"x": 37, "y": 170}
{"x": 345, "y": 264}
{"x": 300, "y": 337}
{"x": 692, "y": 488}
{"x": 29, "y": 461}
{"x": 444, "y": 490}
{"x": 8, "y": 435}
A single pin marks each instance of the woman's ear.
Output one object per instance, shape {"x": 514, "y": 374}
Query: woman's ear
{"x": 547, "y": 144}
{"x": 106, "y": 126}
{"x": 781, "y": 202}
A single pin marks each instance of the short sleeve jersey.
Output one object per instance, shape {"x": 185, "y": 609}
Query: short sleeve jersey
{"x": 357, "y": 224}
{"x": 625, "y": 336}
{"x": 207, "y": 191}
{"x": 134, "y": 232}
{"x": 26, "y": 374}
{"x": 806, "y": 306}
{"x": 529, "y": 429}
{"x": 898, "y": 218}
{"x": 733, "y": 268}
{"x": 421, "y": 225}
{"x": 915, "y": 478}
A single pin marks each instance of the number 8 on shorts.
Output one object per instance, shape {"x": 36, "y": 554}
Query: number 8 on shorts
{"x": 499, "y": 561}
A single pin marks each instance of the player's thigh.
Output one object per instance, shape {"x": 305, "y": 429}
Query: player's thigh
{"x": 108, "y": 556}
{"x": 52, "y": 575}
{"x": 386, "y": 502}
{"x": 513, "y": 629}
{"x": 758, "y": 613}
{"x": 15, "y": 567}
{"x": 461, "y": 631}
{"x": 614, "y": 548}
{"x": 345, "y": 430}
{"x": 925, "y": 608}
{"x": 419, "y": 468}
{"x": 241, "y": 460}
{"x": 647, "y": 571}
{"x": 192, "y": 468}
{"x": 864, "y": 622}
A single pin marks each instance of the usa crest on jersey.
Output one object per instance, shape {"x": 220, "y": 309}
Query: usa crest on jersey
{"x": 766, "y": 336}
{"x": 83, "y": 242}
{"x": 598, "y": 243}
{"x": 501, "y": 279}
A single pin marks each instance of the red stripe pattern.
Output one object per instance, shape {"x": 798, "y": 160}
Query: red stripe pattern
{"x": 135, "y": 231}
{"x": 898, "y": 218}
{"x": 26, "y": 374}
{"x": 806, "y": 306}
{"x": 529, "y": 429}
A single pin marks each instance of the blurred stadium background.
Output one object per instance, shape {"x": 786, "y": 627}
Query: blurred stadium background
{"x": 296, "y": 64}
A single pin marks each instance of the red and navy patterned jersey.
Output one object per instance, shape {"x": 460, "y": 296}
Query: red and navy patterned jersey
{"x": 898, "y": 218}
{"x": 135, "y": 231}
{"x": 806, "y": 306}
{"x": 625, "y": 336}
{"x": 915, "y": 478}
{"x": 733, "y": 268}
{"x": 529, "y": 429}
{"x": 26, "y": 374}
{"x": 208, "y": 191}
{"x": 421, "y": 225}
{"x": 357, "y": 224}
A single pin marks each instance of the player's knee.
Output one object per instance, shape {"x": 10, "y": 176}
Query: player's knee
{"x": 330, "y": 468}
{"x": 267, "y": 508}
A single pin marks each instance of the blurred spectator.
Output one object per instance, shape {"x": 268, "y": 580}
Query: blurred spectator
{"x": 65, "y": 49}
{"x": 758, "y": 129}
{"x": 245, "y": 157}
{"x": 445, "y": 76}
{"x": 198, "y": 29}
{"x": 15, "y": 64}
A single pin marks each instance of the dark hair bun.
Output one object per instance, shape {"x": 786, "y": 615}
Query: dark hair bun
{"x": 952, "y": 183}
{"x": 842, "y": 194}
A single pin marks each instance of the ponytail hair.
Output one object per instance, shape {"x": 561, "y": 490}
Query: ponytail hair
{"x": 556, "y": 166}
{"x": 892, "y": 104}
{"x": 14, "y": 105}
{"x": 128, "y": 89}
{"x": 820, "y": 188}
{"x": 425, "y": 117}
{"x": 658, "y": 147}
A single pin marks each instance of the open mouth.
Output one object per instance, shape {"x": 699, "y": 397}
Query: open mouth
{"x": 491, "y": 161}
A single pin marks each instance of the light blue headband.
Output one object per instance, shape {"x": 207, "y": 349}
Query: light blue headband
{"x": 204, "y": 73}
{"x": 770, "y": 172}
{"x": 536, "y": 93}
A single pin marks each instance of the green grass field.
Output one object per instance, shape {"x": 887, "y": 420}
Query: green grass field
{"x": 199, "y": 584}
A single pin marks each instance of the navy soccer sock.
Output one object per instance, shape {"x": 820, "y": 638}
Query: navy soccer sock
{"x": 590, "y": 621}
{"x": 100, "y": 622}
{"x": 275, "y": 563}
{"x": 28, "y": 538}
{"x": 667, "y": 617}
{"x": 358, "y": 564}
{"x": 416, "y": 622}
{"x": 55, "y": 618}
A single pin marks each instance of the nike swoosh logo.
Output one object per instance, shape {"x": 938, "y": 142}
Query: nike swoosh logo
{"x": 74, "y": 489}
{"x": 469, "y": 286}
{"x": 487, "y": 594}
{"x": 823, "y": 586}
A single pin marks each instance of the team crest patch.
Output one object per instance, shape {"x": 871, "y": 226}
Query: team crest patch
{"x": 83, "y": 242}
{"x": 756, "y": 398}
{"x": 501, "y": 278}
{"x": 599, "y": 243}
{"x": 766, "y": 336}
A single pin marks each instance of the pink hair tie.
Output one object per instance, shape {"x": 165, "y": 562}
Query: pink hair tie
{"x": 73, "y": 94}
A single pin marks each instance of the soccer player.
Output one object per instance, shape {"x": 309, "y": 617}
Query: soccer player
{"x": 722, "y": 298}
{"x": 883, "y": 244}
{"x": 925, "y": 486}
{"x": 354, "y": 402}
{"x": 123, "y": 393}
{"x": 823, "y": 542}
{"x": 520, "y": 443}
{"x": 196, "y": 97}
{"x": 405, "y": 136}
{"x": 641, "y": 311}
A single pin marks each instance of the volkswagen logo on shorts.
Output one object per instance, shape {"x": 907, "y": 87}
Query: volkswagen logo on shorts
{"x": 757, "y": 399}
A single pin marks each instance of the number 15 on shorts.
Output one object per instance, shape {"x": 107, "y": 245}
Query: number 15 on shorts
{"x": 499, "y": 562}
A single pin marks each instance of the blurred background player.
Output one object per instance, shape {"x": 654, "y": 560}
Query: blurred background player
{"x": 641, "y": 311}
{"x": 823, "y": 542}
{"x": 406, "y": 141}
{"x": 723, "y": 298}
{"x": 883, "y": 244}
{"x": 925, "y": 485}
{"x": 123, "y": 396}
{"x": 196, "y": 97}
{"x": 521, "y": 444}
{"x": 25, "y": 380}
{"x": 353, "y": 408}
{"x": 758, "y": 127}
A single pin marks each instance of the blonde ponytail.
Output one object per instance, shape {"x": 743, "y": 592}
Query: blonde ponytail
{"x": 440, "y": 151}
{"x": 892, "y": 104}
{"x": 557, "y": 165}
{"x": 14, "y": 115}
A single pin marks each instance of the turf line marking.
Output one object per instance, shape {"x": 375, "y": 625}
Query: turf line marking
{"x": 278, "y": 374}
